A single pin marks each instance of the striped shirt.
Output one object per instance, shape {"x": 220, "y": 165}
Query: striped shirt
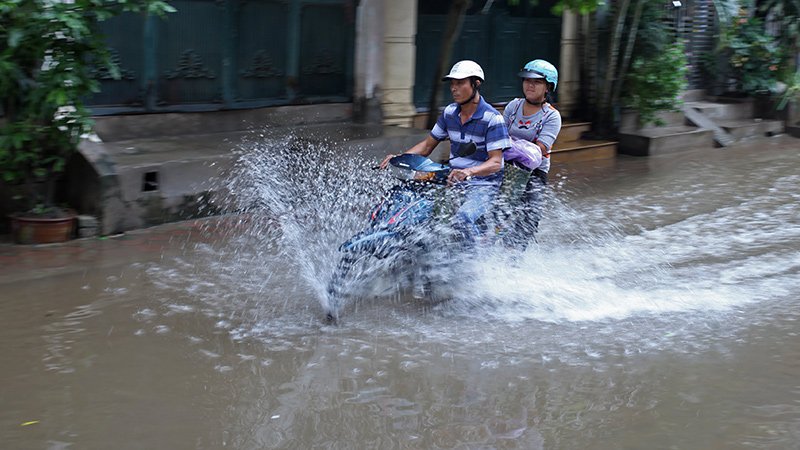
{"x": 486, "y": 128}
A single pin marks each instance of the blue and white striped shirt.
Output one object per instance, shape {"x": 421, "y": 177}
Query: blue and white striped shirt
{"x": 486, "y": 128}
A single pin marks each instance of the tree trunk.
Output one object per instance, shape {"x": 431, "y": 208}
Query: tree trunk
{"x": 626, "y": 57}
{"x": 455, "y": 18}
{"x": 606, "y": 117}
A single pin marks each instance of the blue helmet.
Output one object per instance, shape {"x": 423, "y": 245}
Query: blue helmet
{"x": 539, "y": 68}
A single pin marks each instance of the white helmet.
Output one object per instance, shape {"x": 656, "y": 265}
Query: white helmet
{"x": 464, "y": 69}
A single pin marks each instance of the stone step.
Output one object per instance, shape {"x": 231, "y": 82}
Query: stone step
{"x": 751, "y": 128}
{"x": 721, "y": 136}
{"x": 629, "y": 122}
{"x": 665, "y": 139}
{"x": 723, "y": 110}
{"x": 793, "y": 130}
{"x": 571, "y": 131}
{"x": 583, "y": 150}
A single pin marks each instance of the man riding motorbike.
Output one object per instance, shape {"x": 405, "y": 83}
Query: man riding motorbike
{"x": 469, "y": 119}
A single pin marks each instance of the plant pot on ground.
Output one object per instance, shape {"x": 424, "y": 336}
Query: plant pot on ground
{"x": 56, "y": 226}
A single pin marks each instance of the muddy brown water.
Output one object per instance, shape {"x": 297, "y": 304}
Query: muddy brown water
{"x": 659, "y": 310}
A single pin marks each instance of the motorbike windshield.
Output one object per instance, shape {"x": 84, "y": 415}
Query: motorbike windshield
{"x": 414, "y": 167}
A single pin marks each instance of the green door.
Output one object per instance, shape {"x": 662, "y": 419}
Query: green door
{"x": 499, "y": 41}
{"x": 227, "y": 54}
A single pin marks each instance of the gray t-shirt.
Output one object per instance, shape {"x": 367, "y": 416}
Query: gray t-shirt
{"x": 541, "y": 127}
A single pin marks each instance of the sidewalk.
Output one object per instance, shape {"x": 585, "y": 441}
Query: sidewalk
{"x": 19, "y": 263}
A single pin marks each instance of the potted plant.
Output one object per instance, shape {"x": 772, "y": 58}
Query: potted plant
{"x": 49, "y": 55}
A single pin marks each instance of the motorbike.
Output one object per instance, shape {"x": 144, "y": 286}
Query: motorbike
{"x": 396, "y": 224}
{"x": 402, "y": 224}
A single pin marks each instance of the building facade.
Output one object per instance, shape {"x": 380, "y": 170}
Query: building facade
{"x": 378, "y": 54}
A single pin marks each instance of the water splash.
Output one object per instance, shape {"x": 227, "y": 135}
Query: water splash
{"x": 312, "y": 193}
{"x": 594, "y": 259}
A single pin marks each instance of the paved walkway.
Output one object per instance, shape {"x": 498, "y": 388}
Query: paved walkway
{"x": 28, "y": 262}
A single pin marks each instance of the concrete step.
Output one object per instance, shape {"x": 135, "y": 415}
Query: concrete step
{"x": 721, "y": 136}
{"x": 693, "y": 95}
{"x": 723, "y": 110}
{"x": 629, "y": 122}
{"x": 751, "y": 128}
{"x": 583, "y": 150}
{"x": 793, "y": 130}
{"x": 571, "y": 131}
{"x": 659, "y": 140}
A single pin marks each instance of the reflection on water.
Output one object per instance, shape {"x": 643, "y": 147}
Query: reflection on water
{"x": 658, "y": 309}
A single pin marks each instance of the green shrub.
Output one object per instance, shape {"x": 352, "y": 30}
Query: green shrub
{"x": 655, "y": 82}
{"x": 755, "y": 58}
{"x": 49, "y": 53}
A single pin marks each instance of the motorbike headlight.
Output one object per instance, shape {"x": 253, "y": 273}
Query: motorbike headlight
{"x": 423, "y": 176}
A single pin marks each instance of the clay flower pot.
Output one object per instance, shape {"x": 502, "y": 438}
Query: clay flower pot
{"x": 43, "y": 230}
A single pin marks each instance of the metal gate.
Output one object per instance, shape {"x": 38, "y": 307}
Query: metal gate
{"x": 227, "y": 54}
{"x": 695, "y": 23}
{"x": 500, "y": 43}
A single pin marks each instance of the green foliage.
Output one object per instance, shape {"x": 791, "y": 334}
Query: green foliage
{"x": 754, "y": 57}
{"x": 655, "y": 82}
{"x": 577, "y": 6}
{"x": 792, "y": 91}
{"x": 787, "y": 14}
{"x": 48, "y": 56}
{"x": 653, "y": 35}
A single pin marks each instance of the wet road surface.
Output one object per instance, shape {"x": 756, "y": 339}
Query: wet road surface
{"x": 659, "y": 309}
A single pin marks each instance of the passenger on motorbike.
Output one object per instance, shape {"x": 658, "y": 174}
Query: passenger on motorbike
{"x": 469, "y": 119}
{"x": 532, "y": 119}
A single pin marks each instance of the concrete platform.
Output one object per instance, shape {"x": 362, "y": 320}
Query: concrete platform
{"x": 173, "y": 173}
{"x": 751, "y": 128}
{"x": 570, "y": 147}
{"x": 653, "y": 141}
{"x": 584, "y": 150}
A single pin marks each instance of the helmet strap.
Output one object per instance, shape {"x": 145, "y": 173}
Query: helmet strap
{"x": 475, "y": 89}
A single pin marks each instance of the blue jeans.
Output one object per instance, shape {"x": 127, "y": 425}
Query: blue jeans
{"x": 478, "y": 200}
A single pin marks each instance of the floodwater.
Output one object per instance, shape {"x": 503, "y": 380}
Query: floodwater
{"x": 658, "y": 309}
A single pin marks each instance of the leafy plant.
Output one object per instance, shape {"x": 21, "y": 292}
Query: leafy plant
{"x": 786, "y": 13}
{"x": 655, "y": 82}
{"x": 754, "y": 56}
{"x": 49, "y": 54}
{"x": 792, "y": 91}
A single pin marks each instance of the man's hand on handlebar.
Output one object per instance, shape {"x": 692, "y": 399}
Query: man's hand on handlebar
{"x": 458, "y": 175}
{"x": 385, "y": 162}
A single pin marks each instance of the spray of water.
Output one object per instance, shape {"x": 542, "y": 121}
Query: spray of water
{"x": 592, "y": 259}
{"x": 315, "y": 195}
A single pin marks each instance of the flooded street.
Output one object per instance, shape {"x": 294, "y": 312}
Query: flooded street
{"x": 658, "y": 309}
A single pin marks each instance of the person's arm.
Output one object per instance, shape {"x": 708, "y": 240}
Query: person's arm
{"x": 508, "y": 112}
{"x": 550, "y": 129}
{"x": 424, "y": 148}
{"x": 488, "y": 167}
{"x": 497, "y": 140}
